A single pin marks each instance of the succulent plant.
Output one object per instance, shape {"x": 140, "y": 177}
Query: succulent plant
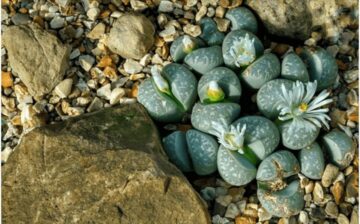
{"x": 293, "y": 68}
{"x": 340, "y": 147}
{"x": 169, "y": 94}
{"x": 204, "y": 115}
{"x": 264, "y": 69}
{"x": 243, "y": 144}
{"x": 193, "y": 150}
{"x": 268, "y": 96}
{"x": 242, "y": 18}
{"x": 183, "y": 45}
{"x": 240, "y": 48}
{"x": 204, "y": 59}
{"x": 321, "y": 65}
{"x": 302, "y": 115}
{"x": 278, "y": 192}
{"x": 312, "y": 161}
{"x": 210, "y": 33}
{"x": 283, "y": 203}
{"x": 294, "y": 111}
{"x": 228, "y": 85}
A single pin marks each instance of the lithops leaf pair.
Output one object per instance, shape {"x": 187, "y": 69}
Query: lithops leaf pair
{"x": 243, "y": 145}
{"x": 312, "y": 161}
{"x": 293, "y": 68}
{"x": 184, "y": 45}
{"x": 242, "y": 18}
{"x": 278, "y": 192}
{"x": 301, "y": 115}
{"x": 210, "y": 33}
{"x": 169, "y": 93}
{"x": 193, "y": 150}
{"x": 340, "y": 147}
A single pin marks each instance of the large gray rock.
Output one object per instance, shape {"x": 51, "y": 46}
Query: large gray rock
{"x": 37, "y": 56}
{"x": 105, "y": 167}
{"x": 296, "y": 18}
{"x": 131, "y": 36}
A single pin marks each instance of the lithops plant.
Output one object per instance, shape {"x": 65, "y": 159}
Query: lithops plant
{"x": 222, "y": 79}
{"x": 293, "y": 68}
{"x": 283, "y": 203}
{"x": 204, "y": 59}
{"x": 169, "y": 94}
{"x": 240, "y": 48}
{"x": 242, "y": 18}
{"x": 312, "y": 161}
{"x": 242, "y": 146}
{"x": 192, "y": 151}
{"x": 184, "y": 45}
{"x": 210, "y": 33}
{"x": 301, "y": 114}
{"x": 340, "y": 147}
{"x": 321, "y": 65}
{"x": 278, "y": 192}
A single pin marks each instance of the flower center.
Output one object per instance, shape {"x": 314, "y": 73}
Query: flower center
{"x": 303, "y": 107}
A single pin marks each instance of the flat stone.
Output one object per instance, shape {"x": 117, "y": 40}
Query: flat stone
{"x": 131, "y": 66}
{"x": 331, "y": 210}
{"x": 342, "y": 219}
{"x": 166, "y": 6}
{"x": 57, "y": 22}
{"x": 38, "y": 57}
{"x": 131, "y": 36}
{"x": 330, "y": 173}
{"x": 104, "y": 167}
{"x": 337, "y": 191}
{"x": 63, "y": 89}
{"x": 20, "y": 19}
{"x": 97, "y": 32}
{"x": 86, "y": 62}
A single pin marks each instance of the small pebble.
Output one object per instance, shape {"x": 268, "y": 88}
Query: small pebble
{"x": 337, "y": 190}
{"x": 192, "y": 30}
{"x": 131, "y": 66}
{"x": 263, "y": 215}
{"x": 222, "y": 24}
{"x": 201, "y": 13}
{"x": 86, "y": 62}
{"x": 116, "y": 95}
{"x": 63, "y": 89}
{"x": 138, "y": 5}
{"x": 342, "y": 219}
{"x": 232, "y": 211}
{"x": 166, "y": 6}
{"x": 95, "y": 105}
{"x": 93, "y": 13}
{"x": 104, "y": 91}
{"x": 57, "y": 22}
{"x": 330, "y": 173}
{"x": 208, "y": 193}
{"x": 318, "y": 193}
{"x": 303, "y": 217}
{"x": 331, "y": 210}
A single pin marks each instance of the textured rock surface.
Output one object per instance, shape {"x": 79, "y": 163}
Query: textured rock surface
{"x": 131, "y": 36}
{"x": 295, "y": 19}
{"x": 91, "y": 169}
{"x": 37, "y": 56}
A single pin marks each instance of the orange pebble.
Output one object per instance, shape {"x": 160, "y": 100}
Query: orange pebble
{"x": 6, "y": 79}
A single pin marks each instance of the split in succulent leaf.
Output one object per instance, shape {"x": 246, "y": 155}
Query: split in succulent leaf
{"x": 243, "y": 51}
{"x": 160, "y": 82}
{"x": 298, "y": 105}
{"x": 214, "y": 92}
{"x": 231, "y": 137}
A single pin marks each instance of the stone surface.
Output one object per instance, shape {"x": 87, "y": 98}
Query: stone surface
{"x": 295, "y": 19}
{"x": 329, "y": 175}
{"x": 37, "y": 56}
{"x": 131, "y": 36}
{"x": 105, "y": 167}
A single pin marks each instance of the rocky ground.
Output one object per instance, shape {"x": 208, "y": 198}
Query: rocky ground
{"x": 86, "y": 68}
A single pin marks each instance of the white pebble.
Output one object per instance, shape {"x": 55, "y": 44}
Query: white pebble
{"x": 166, "y": 6}
{"x": 63, "y": 89}
{"x": 93, "y": 13}
{"x": 131, "y": 66}
{"x": 57, "y": 22}
{"x": 116, "y": 95}
{"x": 86, "y": 62}
{"x": 104, "y": 91}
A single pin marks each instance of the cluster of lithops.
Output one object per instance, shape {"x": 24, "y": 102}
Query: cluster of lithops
{"x": 292, "y": 98}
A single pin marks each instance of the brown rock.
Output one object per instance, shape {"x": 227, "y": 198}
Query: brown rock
{"x": 245, "y": 220}
{"x": 104, "y": 167}
{"x": 37, "y": 56}
{"x": 131, "y": 36}
{"x": 352, "y": 185}
{"x": 337, "y": 191}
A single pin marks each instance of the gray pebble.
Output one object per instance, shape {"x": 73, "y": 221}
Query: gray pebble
{"x": 20, "y": 19}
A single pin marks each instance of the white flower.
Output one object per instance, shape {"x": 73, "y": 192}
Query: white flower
{"x": 160, "y": 81}
{"x": 189, "y": 43}
{"x": 299, "y": 105}
{"x": 231, "y": 137}
{"x": 214, "y": 92}
{"x": 243, "y": 51}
